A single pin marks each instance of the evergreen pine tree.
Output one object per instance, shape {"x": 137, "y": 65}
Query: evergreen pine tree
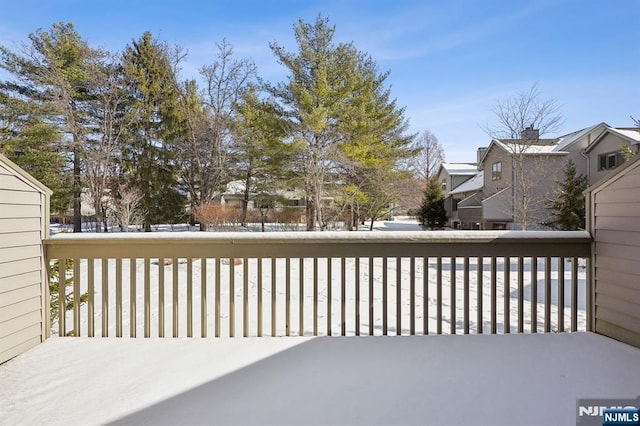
{"x": 432, "y": 213}
{"x": 155, "y": 122}
{"x": 341, "y": 114}
{"x": 568, "y": 207}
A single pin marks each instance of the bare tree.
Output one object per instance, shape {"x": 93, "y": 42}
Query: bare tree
{"x": 430, "y": 157}
{"x": 100, "y": 149}
{"x": 522, "y": 120}
{"x": 525, "y": 110}
{"x": 126, "y": 208}
{"x": 205, "y": 152}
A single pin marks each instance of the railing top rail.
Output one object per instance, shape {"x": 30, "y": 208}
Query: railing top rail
{"x": 319, "y": 244}
{"x": 420, "y": 237}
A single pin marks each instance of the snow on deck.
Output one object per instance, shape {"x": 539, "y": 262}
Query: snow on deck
{"x": 474, "y": 379}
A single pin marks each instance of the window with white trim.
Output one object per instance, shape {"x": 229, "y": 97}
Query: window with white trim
{"x": 610, "y": 160}
{"x": 496, "y": 170}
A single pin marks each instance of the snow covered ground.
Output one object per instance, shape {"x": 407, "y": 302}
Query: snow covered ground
{"x": 442, "y": 380}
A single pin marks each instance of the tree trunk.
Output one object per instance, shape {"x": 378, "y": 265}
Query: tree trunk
{"x": 104, "y": 218}
{"x": 245, "y": 200}
{"x": 99, "y": 217}
{"x": 77, "y": 190}
{"x": 310, "y": 215}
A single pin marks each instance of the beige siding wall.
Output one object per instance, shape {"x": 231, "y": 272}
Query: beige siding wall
{"x": 23, "y": 216}
{"x": 615, "y": 224}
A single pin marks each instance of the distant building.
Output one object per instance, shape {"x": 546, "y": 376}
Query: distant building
{"x": 515, "y": 178}
{"x": 451, "y": 176}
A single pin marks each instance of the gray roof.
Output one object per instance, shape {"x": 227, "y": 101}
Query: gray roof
{"x": 570, "y": 138}
{"x": 473, "y": 184}
{"x": 460, "y": 168}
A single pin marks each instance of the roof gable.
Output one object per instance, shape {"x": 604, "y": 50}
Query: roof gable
{"x": 511, "y": 147}
{"x": 629, "y": 135}
{"x": 473, "y": 184}
{"x": 24, "y": 176}
{"x": 569, "y": 139}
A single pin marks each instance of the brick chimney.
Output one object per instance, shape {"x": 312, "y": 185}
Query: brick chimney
{"x": 530, "y": 134}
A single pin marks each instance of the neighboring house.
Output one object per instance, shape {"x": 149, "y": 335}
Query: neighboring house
{"x": 519, "y": 176}
{"x": 463, "y": 195}
{"x": 235, "y": 193}
{"x": 451, "y": 176}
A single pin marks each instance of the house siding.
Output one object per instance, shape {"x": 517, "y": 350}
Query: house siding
{"x": 608, "y": 144}
{"x": 542, "y": 173}
{"x": 615, "y": 226}
{"x": 24, "y": 220}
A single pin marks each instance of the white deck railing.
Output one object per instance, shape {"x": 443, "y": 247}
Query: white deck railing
{"x": 331, "y": 283}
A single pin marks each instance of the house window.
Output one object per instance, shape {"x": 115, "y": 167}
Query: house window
{"x": 444, "y": 185}
{"x": 610, "y": 160}
{"x": 496, "y": 171}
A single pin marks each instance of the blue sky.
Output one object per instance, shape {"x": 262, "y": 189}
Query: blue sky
{"x": 449, "y": 61}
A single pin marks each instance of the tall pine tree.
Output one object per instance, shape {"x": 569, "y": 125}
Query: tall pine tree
{"x": 155, "y": 121}
{"x": 261, "y": 155}
{"x": 569, "y": 206}
{"x": 339, "y": 111}
{"x": 52, "y": 75}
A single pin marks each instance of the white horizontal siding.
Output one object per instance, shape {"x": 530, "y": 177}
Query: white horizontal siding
{"x": 12, "y": 254}
{"x": 18, "y": 281}
{"x": 630, "y": 316}
{"x": 20, "y": 294}
{"x": 23, "y": 222}
{"x": 20, "y": 225}
{"x": 616, "y": 232}
{"x": 619, "y": 251}
{"x": 18, "y": 323}
{"x": 19, "y": 197}
{"x": 625, "y": 294}
{"x": 614, "y": 331}
{"x": 623, "y": 195}
{"x": 16, "y": 211}
{"x": 625, "y": 238}
{"x": 16, "y": 343}
{"x": 14, "y": 183}
{"x": 604, "y": 264}
{"x": 5, "y": 171}
{"x": 20, "y": 239}
{"x": 618, "y": 223}
{"x": 630, "y": 180}
{"x": 19, "y": 308}
{"x": 608, "y": 277}
{"x": 21, "y": 267}
{"x": 617, "y": 209}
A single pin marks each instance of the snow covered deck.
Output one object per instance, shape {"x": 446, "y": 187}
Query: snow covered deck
{"x": 463, "y": 379}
